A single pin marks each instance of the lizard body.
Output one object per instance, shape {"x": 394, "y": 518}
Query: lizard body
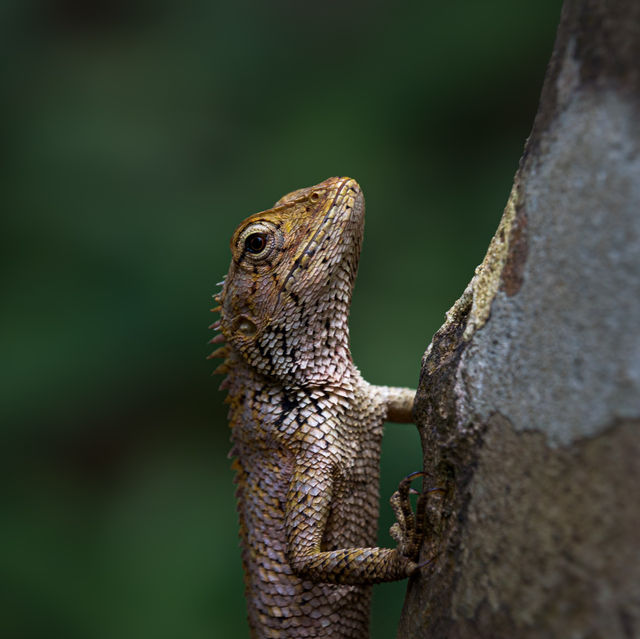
{"x": 306, "y": 427}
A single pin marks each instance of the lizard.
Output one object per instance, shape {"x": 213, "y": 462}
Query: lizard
{"x": 306, "y": 428}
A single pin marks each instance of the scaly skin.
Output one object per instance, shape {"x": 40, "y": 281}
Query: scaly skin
{"x": 306, "y": 427}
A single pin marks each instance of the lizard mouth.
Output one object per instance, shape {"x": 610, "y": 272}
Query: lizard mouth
{"x": 342, "y": 218}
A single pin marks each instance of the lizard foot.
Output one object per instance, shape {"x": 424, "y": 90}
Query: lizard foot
{"x": 409, "y": 529}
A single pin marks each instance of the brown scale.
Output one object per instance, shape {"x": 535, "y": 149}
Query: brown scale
{"x": 306, "y": 427}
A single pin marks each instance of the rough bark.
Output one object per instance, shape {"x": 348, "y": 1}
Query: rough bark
{"x": 529, "y": 398}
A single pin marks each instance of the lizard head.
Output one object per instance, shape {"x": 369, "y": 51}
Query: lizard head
{"x": 285, "y": 301}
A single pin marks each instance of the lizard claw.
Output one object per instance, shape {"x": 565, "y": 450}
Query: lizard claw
{"x": 409, "y": 530}
{"x": 424, "y": 563}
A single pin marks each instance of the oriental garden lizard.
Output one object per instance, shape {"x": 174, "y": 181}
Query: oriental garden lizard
{"x": 306, "y": 427}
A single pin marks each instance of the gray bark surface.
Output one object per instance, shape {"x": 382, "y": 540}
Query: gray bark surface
{"x": 529, "y": 398}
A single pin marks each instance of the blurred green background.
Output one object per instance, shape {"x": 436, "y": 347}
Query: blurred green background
{"x": 136, "y": 135}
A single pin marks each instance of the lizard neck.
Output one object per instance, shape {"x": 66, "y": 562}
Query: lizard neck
{"x": 313, "y": 348}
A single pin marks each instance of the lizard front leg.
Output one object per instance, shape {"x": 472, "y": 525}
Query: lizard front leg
{"x": 307, "y": 509}
{"x": 399, "y": 403}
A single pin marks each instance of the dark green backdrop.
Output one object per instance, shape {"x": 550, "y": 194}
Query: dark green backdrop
{"x": 136, "y": 135}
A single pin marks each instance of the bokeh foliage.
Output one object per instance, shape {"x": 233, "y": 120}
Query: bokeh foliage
{"x": 136, "y": 136}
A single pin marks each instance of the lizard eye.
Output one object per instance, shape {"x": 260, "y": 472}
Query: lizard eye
{"x": 256, "y": 243}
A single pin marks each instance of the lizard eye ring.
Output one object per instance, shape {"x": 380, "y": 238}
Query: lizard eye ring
{"x": 258, "y": 241}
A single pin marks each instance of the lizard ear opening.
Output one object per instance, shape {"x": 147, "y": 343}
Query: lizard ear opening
{"x": 244, "y": 326}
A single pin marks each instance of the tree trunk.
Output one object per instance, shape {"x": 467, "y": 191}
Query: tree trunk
{"x": 529, "y": 398}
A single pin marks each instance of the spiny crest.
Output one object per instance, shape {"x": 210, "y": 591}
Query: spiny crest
{"x": 222, "y": 351}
